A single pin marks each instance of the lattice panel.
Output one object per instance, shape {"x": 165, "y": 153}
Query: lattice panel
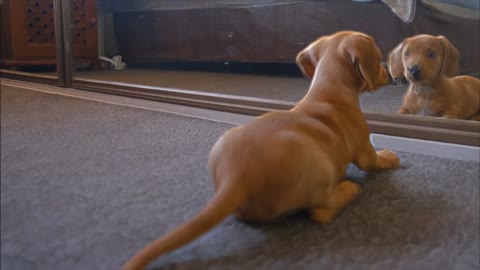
{"x": 79, "y": 30}
{"x": 40, "y": 21}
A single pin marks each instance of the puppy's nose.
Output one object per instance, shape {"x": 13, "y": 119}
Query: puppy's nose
{"x": 415, "y": 72}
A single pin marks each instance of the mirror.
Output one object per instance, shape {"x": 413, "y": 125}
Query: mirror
{"x": 248, "y": 48}
{"x": 28, "y": 36}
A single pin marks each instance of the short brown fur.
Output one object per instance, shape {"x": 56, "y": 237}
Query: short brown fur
{"x": 282, "y": 162}
{"x": 435, "y": 90}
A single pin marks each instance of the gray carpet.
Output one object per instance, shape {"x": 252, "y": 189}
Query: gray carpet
{"x": 84, "y": 185}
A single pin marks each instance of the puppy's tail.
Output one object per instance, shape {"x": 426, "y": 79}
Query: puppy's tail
{"x": 224, "y": 203}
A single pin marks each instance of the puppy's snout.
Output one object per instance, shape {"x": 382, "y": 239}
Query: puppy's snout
{"x": 414, "y": 72}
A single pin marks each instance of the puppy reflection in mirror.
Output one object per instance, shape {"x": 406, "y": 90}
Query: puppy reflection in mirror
{"x": 430, "y": 64}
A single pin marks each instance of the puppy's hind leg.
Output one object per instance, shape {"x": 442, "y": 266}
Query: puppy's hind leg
{"x": 341, "y": 195}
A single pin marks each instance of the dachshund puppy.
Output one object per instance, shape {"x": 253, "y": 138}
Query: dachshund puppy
{"x": 429, "y": 64}
{"x": 283, "y": 162}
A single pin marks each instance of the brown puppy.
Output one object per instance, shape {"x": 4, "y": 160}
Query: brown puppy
{"x": 428, "y": 62}
{"x": 282, "y": 162}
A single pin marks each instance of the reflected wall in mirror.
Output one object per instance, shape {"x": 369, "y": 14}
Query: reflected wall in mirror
{"x": 248, "y": 48}
{"x": 28, "y": 36}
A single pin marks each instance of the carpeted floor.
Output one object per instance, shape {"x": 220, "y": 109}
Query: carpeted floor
{"x": 85, "y": 184}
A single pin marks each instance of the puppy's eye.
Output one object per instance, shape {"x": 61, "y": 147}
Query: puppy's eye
{"x": 407, "y": 53}
{"x": 431, "y": 54}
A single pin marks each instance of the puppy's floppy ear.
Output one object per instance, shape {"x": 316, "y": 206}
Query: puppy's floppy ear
{"x": 361, "y": 51}
{"x": 306, "y": 63}
{"x": 451, "y": 58}
{"x": 395, "y": 61}
{"x": 309, "y": 57}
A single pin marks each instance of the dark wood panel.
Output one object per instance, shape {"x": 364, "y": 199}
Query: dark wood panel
{"x": 84, "y": 31}
{"x": 29, "y": 34}
{"x": 33, "y": 28}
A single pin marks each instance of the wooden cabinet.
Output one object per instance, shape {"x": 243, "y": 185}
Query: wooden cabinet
{"x": 28, "y": 32}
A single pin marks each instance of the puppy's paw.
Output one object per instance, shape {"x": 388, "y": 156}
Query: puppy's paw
{"x": 387, "y": 159}
{"x": 322, "y": 215}
{"x": 403, "y": 110}
{"x": 342, "y": 195}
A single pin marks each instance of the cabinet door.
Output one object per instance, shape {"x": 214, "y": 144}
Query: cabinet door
{"x": 84, "y": 28}
{"x": 32, "y": 29}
